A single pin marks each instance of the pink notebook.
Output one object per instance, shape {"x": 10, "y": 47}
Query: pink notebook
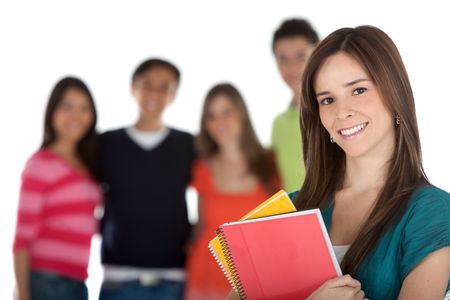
{"x": 279, "y": 257}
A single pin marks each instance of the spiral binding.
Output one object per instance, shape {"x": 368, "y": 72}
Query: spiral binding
{"x": 233, "y": 277}
{"x": 219, "y": 262}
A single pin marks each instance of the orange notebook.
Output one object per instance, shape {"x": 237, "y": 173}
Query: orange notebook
{"x": 279, "y": 257}
{"x": 277, "y": 204}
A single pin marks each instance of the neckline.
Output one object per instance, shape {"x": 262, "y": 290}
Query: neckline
{"x": 135, "y": 130}
{"x": 211, "y": 181}
{"x": 124, "y": 131}
{"x": 74, "y": 169}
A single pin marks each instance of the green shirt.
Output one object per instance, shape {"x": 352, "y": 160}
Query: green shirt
{"x": 287, "y": 147}
{"x": 423, "y": 229}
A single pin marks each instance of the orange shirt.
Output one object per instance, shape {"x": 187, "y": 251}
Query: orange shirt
{"x": 205, "y": 279}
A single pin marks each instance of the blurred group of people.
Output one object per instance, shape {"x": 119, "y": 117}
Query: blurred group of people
{"x": 140, "y": 174}
{"x": 149, "y": 250}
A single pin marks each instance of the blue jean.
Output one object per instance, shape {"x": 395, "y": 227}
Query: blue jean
{"x": 162, "y": 290}
{"x": 51, "y": 286}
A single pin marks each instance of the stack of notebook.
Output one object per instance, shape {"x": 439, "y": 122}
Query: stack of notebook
{"x": 275, "y": 252}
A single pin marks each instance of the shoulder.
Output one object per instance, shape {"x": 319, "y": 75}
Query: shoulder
{"x": 113, "y": 134}
{"x": 112, "y": 139}
{"x": 181, "y": 138}
{"x": 200, "y": 176}
{"x": 40, "y": 158}
{"x": 430, "y": 197}
{"x": 181, "y": 134}
{"x": 200, "y": 169}
{"x": 427, "y": 213}
{"x": 430, "y": 191}
{"x": 285, "y": 123}
{"x": 290, "y": 114}
{"x": 44, "y": 166}
{"x": 280, "y": 118}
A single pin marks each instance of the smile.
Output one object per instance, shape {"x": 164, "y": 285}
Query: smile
{"x": 353, "y": 131}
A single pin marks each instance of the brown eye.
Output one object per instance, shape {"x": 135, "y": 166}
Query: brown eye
{"x": 326, "y": 101}
{"x": 359, "y": 91}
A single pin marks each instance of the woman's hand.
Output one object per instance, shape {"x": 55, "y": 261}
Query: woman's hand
{"x": 344, "y": 287}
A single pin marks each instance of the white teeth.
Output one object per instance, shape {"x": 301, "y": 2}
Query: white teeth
{"x": 352, "y": 130}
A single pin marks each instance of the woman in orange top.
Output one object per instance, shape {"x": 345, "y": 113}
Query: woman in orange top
{"x": 233, "y": 176}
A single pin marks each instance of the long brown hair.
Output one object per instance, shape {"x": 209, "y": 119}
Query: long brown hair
{"x": 325, "y": 162}
{"x": 87, "y": 147}
{"x": 258, "y": 159}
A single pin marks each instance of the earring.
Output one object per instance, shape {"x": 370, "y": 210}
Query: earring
{"x": 397, "y": 119}
{"x": 332, "y": 140}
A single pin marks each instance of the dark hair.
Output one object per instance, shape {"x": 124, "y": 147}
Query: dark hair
{"x": 154, "y": 63}
{"x": 295, "y": 27}
{"x": 87, "y": 147}
{"x": 325, "y": 162}
{"x": 258, "y": 159}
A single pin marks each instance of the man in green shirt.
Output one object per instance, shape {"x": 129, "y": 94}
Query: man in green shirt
{"x": 292, "y": 45}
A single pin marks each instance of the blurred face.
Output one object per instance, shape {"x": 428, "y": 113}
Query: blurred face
{"x": 351, "y": 108}
{"x": 292, "y": 54}
{"x": 223, "y": 121}
{"x": 73, "y": 116}
{"x": 154, "y": 90}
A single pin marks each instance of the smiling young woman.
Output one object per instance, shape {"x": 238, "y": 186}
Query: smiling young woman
{"x": 233, "y": 174}
{"x": 368, "y": 177}
{"x": 58, "y": 196}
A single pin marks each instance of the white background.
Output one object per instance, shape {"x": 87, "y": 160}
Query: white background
{"x": 211, "y": 41}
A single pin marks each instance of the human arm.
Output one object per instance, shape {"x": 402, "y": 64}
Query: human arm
{"x": 22, "y": 274}
{"x": 425, "y": 263}
{"x": 429, "y": 279}
{"x": 31, "y": 200}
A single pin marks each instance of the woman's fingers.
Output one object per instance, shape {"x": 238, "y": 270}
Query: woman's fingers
{"x": 345, "y": 280}
{"x": 360, "y": 295}
{"x": 344, "y": 287}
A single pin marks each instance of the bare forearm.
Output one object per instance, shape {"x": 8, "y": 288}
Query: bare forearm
{"x": 22, "y": 272}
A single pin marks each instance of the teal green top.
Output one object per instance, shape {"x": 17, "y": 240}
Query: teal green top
{"x": 287, "y": 146}
{"x": 423, "y": 229}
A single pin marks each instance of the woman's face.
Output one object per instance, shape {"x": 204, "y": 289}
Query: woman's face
{"x": 223, "y": 120}
{"x": 73, "y": 116}
{"x": 351, "y": 108}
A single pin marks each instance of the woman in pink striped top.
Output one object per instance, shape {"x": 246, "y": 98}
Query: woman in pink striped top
{"x": 59, "y": 193}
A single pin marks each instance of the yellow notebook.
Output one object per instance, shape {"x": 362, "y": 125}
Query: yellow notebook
{"x": 279, "y": 203}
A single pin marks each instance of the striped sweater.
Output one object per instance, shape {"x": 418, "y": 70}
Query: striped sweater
{"x": 55, "y": 221}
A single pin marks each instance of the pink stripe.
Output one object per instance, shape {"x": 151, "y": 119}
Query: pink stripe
{"x": 30, "y": 202}
{"x": 78, "y": 191}
{"x": 45, "y": 170}
{"x": 59, "y": 251}
{"x": 83, "y": 224}
{"x": 25, "y": 231}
